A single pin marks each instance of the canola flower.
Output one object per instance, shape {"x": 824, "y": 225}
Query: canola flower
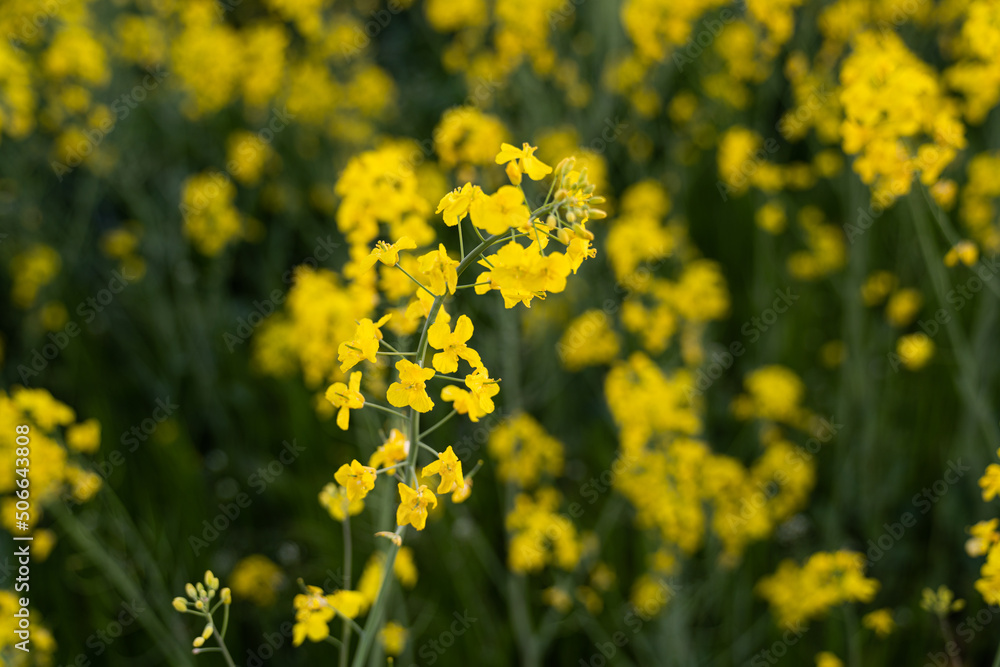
{"x": 523, "y": 265}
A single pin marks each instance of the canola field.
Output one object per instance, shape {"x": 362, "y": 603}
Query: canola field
{"x": 499, "y": 332}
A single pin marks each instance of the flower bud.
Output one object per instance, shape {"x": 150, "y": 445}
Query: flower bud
{"x": 513, "y": 173}
{"x": 180, "y": 604}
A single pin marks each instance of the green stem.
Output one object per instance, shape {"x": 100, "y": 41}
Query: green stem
{"x": 222, "y": 644}
{"x": 419, "y": 284}
{"x": 385, "y": 409}
{"x": 391, "y": 348}
{"x": 345, "y": 634}
{"x": 374, "y": 619}
{"x": 438, "y": 425}
{"x": 941, "y": 218}
{"x": 225, "y": 620}
{"x": 429, "y": 448}
{"x": 968, "y": 381}
{"x": 448, "y": 377}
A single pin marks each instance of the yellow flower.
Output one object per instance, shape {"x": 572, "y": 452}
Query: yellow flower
{"x": 558, "y": 599}
{"x": 827, "y": 659}
{"x": 771, "y": 218}
{"x": 965, "y": 252}
{"x": 455, "y": 205}
{"x": 525, "y": 162}
{"x": 314, "y": 611}
{"x": 984, "y": 535}
{"x": 441, "y": 269}
{"x": 392, "y": 451}
{"x": 877, "y": 287}
{"x": 523, "y": 273}
{"x": 463, "y": 402}
{"x": 257, "y": 579}
{"x": 411, "y": 389}
{"x": 452, "y": 344}
{"x": 483, "y": 388}
{"x": 988, "y": 584}
{"x": 84, "y": 437}
{"x": 450, "y": 469}
{"x": 941, "y": 602}
{"x": 990, "y": 482}
{"x": 404, "y": 568}
{"x": 334, "y": 498}
{"x": 393, "y": 638}
{"x": 462, "y": 492}
{"x": 346, "y": 397}
{"x": 356, "y": 479}
{"x": 500, "y": 211}
{"x": 915, "y": 350}
{"x": 880, "y": 621}
{"x": 903, "y": 307}
{"x": 412, "y": 508}
{"x": 364, "y": 345}
{"x": 387, "y": 254}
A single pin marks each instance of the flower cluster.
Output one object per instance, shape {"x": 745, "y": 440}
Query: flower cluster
{"x": 799, "y": 594}
{"x": 199, "y": 602}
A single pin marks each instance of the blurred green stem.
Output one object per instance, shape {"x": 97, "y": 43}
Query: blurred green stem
{"x": 968, "y": 380}
{"x": 126, "y": 587}
{"x": 345, "y": 635}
